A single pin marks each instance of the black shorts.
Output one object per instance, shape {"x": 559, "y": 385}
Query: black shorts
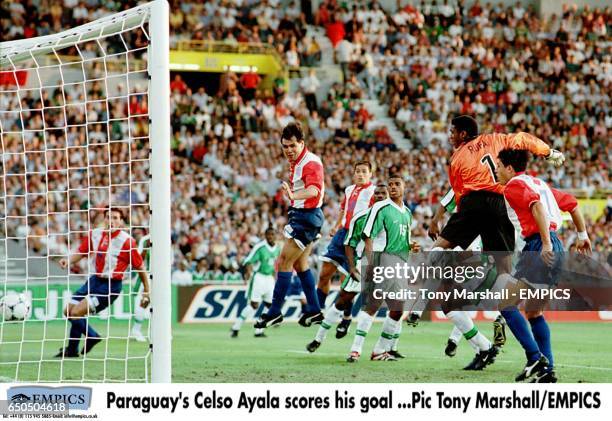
{"x": 481, "y": 213}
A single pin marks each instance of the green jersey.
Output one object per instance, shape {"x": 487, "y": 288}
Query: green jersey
{"x": 214, "y": 275}
{"x": 354, "y": 235}
{"x": 390, "y": 224}
{"x": 198, "y": 277}
{"x": 233, "y": 277}
{"x": 262, "y": 257}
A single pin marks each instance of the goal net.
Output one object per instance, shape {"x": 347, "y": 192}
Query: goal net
{"x": 84, "y": 125}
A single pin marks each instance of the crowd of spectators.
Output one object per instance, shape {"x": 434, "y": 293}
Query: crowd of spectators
{"x": 282, "y": 26}
{"x": 504, "y": 65}
{"x": 514, "y": 71}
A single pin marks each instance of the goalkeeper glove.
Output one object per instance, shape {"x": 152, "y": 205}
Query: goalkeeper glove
{"x": 556, "y": 157}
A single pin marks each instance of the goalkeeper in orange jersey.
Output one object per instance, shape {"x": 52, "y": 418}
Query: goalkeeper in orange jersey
{"x": 481, "y": 209}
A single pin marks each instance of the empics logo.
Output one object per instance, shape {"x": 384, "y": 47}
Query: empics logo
{"x": 20, "y": 398}
{"x": 75, "y": 397}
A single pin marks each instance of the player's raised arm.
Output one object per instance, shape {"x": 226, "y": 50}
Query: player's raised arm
{"x": 533, "y": 144}
{"x": 568, "y": 203}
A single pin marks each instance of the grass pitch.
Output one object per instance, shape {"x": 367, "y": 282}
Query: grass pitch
{"x": 206, "y": 353}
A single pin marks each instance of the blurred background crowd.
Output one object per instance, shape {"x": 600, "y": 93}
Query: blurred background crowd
{"x": 424, "y": 61}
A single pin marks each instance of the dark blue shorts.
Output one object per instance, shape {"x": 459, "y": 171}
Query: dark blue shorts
{"x": 304, "y": 225}
{"x": 96, "y": 291}
{"x": 335, "y": 252}
{"x": 531, "y": 267}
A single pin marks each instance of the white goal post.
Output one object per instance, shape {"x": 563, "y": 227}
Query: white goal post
{"x": 85, "y": 120}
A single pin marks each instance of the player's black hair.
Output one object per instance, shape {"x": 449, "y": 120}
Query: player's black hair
{"x": 293, "y": 130}
{"x": 395, "y": 175}
{"x": 363, "y": 162}
{"x": 269, "y": 229}
{"x": 516, "y": 158}
{"x": 120, "y": 211}
{"x": 466, "y": 123}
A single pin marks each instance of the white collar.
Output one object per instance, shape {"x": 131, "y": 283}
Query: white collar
{"x": 402, "y": 209}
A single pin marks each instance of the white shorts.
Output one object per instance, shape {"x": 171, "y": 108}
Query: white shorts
{"x": 261, "y": 288}
{"x": 351, "y": 285}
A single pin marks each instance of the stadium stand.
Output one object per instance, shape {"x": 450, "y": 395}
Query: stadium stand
{"x": 425, "y": 63}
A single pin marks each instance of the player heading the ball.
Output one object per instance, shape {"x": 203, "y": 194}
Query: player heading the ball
{"x": 305, "y": 192}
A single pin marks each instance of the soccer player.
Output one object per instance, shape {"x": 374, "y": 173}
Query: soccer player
{"x": 305, "y": 192}
{"x": 535, "y": 210}
{"x": 111, "y": 251}
{"x": 263, "y": 255}
{"x": 448, "y": 205}
{"x": 478, "y": 194}
{"x": 357, "y": 197}
{"x": 352, "y": 283}
{"x": 144, "y": 249}
{"x": 386, "y": 230}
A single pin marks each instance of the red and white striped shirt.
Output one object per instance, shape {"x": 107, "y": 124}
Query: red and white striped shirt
{"x": 305, "y": 172}
{"x": 522, "y": 191}
{"x": 356, "y": 199}
{"x": 110, "y": 253}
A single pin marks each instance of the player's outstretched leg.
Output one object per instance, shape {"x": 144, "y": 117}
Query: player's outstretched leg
{"x": 332, "y": 316}
{"x": 92, "y": 338}
{"x": 385, "y": 340}
{"x": 273, "y": 315}
{"x": 139, "y": 316}
{"x": 394, "y": 344}
{"x": 541, "y": 333}
{"x": 519, "y": 327}
{"x": 327, "y": 272}
{"x": 343, "y": 328}
{"x": 77, "y": 328}
{"x": 364, "y": 323}
{"x": 453, "y": 342}
{"x": 246, "y": 314}
{"x": 76, "y": 313}
{"x": 313, "y": 314}
{"x": 260, "y": 332}
{"x": 291, "y": 255}
{"x": 485, "y": 351}
{"x": 348, "y": 291}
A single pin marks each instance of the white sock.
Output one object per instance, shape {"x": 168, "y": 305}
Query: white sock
{"x": 455, "y": 335}
{"x": 246, "y": 314}
{"x": 364, "y": 323}
{"x": 418, "y": 313}
{"x": 259, "y": 331}
{"x": 332, "y": 316}
{"x": 470, "y": 332}
{"x": 396, "y": 336}
{"x": 480, "y": 341}
{"x": 385, "y": 340}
